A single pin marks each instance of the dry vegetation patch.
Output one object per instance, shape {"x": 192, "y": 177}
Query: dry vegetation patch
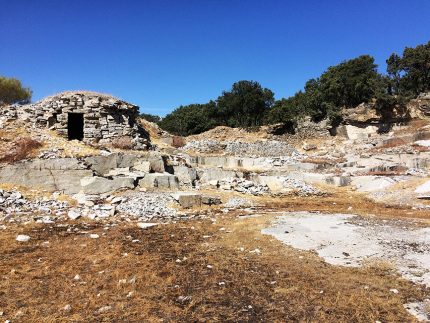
{"x": 190, "y": 271}
{"x": 19, "y": 149}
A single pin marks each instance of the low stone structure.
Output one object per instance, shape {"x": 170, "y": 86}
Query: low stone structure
{"x": 87, "y": 116}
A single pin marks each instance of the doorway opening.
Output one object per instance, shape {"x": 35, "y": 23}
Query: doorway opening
{"x": 75, "y": 126}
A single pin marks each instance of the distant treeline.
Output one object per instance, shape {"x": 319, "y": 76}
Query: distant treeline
{"x": 248, "y": 104}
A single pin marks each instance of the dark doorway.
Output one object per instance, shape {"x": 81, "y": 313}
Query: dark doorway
{"x": 75, "y": 126}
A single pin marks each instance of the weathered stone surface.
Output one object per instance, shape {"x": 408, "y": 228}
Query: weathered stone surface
{"x": 126, "y": 160}
{"x": 159, "y": 180}
{"x": 211, "y": 174}
{"x": 423, "y": 188}
{"x": 142, "y": 166}
{"x": 156, "y": 163}
{"x": 186, "y": 175}
{"x": 372, "y": 183}
{"x": 339, "y": 180}
{"x": 62, "y": 174}
{"x": 188, "y": 199}
{"x": 210, "y": 200}
{"x": 102, "y": 164}
{"x": 100, "y": 185}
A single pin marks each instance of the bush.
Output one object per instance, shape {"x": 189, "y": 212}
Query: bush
{"x": 12, "y": 91}
{"x": 21, "y": 149}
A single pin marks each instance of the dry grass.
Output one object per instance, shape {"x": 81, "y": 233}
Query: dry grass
{"x": 19, "y": 149}
{"x": 143, "y": 281}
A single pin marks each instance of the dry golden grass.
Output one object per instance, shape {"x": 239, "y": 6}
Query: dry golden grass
{"x": 143, "y": 281}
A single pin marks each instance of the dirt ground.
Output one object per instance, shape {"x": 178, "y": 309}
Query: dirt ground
{"x": 219, "y": 270}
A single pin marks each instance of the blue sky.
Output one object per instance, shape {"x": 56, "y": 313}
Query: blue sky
{"x": 161, "y": 54}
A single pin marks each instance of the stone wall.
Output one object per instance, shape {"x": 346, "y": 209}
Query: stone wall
{"x": 105, "y": 117}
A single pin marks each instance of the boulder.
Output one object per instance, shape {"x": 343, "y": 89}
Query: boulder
{"x": 188, "y": 199}
{"x": 142, "y": 166}
{"x": 186, "y": 175}
{"x": 102, "y": 164}
{"x": 212, "y": 174}
{"x": 62, "y": 174}
{"x": 372, "y": 183}
{"x": 156, "y": 163}
{"x": 423, "y": 188}
{"x": 210, "y": 200}
{"x": 100, "y": 185}
{"x": 159, "y": 180}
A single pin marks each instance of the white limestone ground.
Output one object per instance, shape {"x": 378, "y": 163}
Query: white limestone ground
{"x": 349, "y": 240}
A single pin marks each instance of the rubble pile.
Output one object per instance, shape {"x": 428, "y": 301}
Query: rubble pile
{"x": 13, "y": 202}
{"x": 240, "y": 185}
{"x": 261, "y": 148}
{"x": 148, "y": 206}
{"x": 204, "y": 146}
{"x": 300, "y": 187}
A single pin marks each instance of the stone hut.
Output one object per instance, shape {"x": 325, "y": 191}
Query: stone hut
{"x": 88, "y": 116}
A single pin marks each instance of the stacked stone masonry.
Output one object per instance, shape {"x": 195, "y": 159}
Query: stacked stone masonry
{"x": 104, "y": 117}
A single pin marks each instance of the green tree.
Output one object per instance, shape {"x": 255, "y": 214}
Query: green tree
{"x": 411, "y": 71}
{"x": 12, "y": 91}
{"x": 245, "y": 105}
{"x": 190, "y": 119}
{"x": 351, "y": 82}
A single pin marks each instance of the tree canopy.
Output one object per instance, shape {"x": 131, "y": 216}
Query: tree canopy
{"x": 345, "y": 85}
{"x": 12, "y": 91}
{"x": 410, "y": 73}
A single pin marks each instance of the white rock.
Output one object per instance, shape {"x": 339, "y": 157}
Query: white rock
{"x": 104, "y": 309}
{"x": 424, "y": 188}
{"x": 94, "y": 236}
{"x": 146, "y": 225}
{"x": 22, "y": 238}
{"x": 73, "y": 214}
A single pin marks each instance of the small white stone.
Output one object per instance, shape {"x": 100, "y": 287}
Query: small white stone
{"x": 104, "y": 309}
{"x": 394, "y": 291}
{"x": 73, "y": 215}
{"x": 67, "y": 308}
{"x": 94, "y": 236}
{"x": 209, "y": 266}
{"x": 145, "y": 225}
{"x": 77, "y": 277}
{"x": 22, "y": 238}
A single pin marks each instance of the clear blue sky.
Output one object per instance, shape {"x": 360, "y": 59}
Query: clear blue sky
{"x": 161, "y": 54}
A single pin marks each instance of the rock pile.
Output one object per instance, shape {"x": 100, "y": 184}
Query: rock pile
{"x": 261, "y": 148}
{"x": 14, "y": 203}
{"x": 300, "y": 187}
{"x": 148, "y": 206}
{"x": 240, "y": 185}
{"x": 204, "y": 146}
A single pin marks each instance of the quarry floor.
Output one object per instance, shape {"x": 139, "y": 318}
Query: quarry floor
{"x": 219, "y": 269}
